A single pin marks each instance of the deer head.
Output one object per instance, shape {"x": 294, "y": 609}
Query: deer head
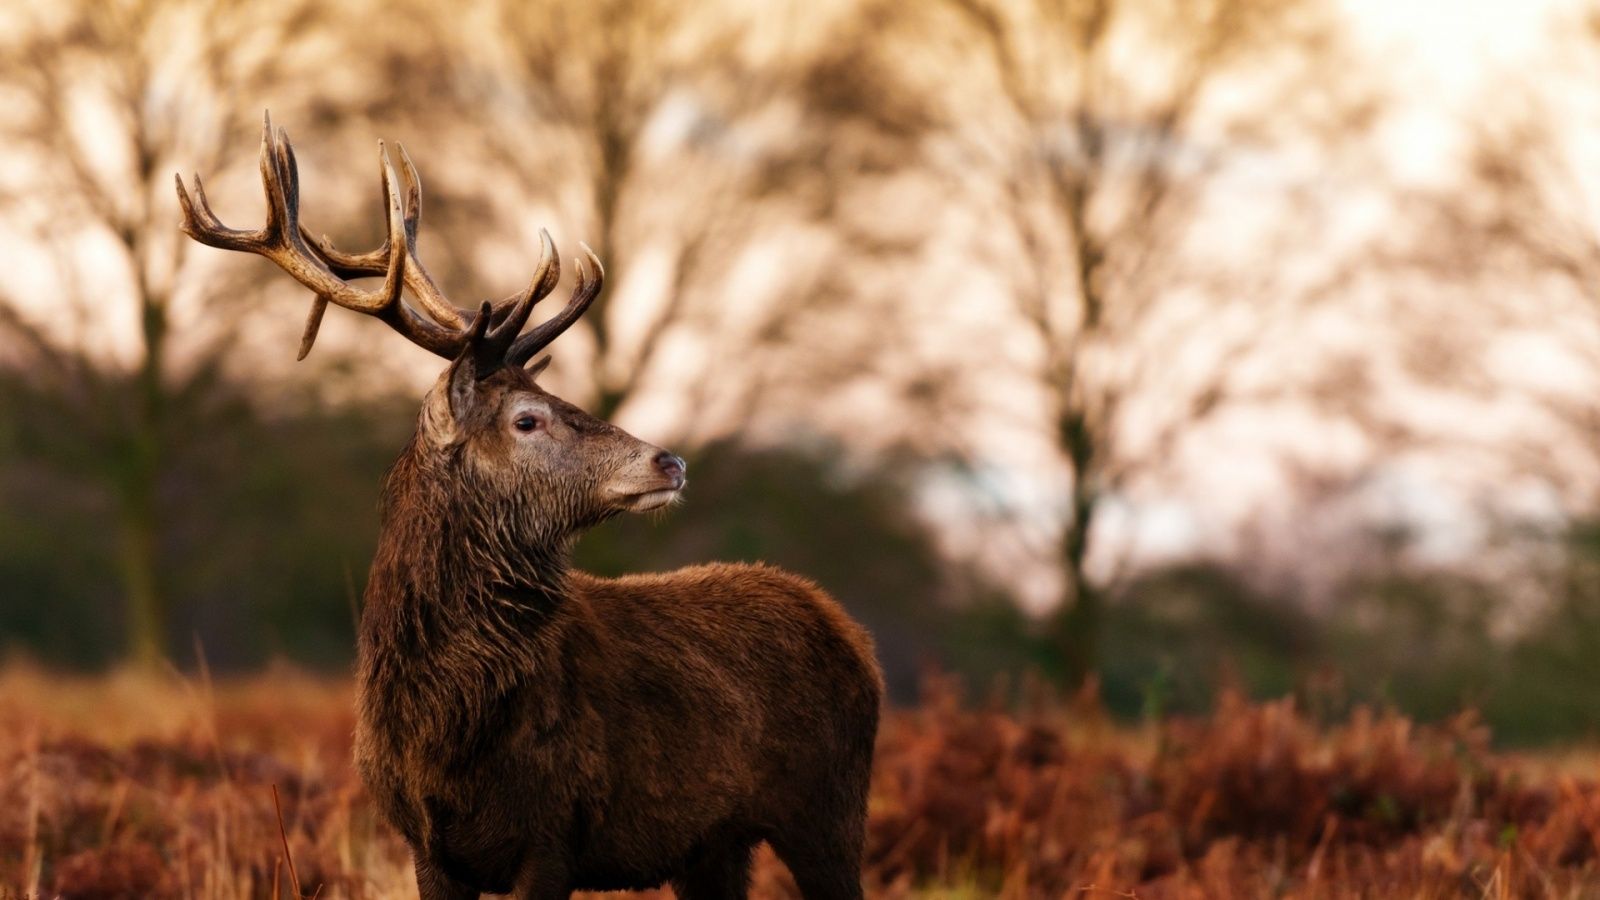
{"x": 534, "y": 463}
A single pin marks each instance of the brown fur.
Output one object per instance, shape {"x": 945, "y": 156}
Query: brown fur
{"x": 537, "y": 730}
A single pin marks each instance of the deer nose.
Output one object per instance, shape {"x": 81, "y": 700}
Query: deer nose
{"x": 672, "y": 466}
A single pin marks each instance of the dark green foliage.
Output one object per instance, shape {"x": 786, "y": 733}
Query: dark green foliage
{"x": 1428, "y": 644}
{"x": 57, "y": 586}
{"x": 1177, "y": 636}
{"x": 1425, "y": 643}
{"x": 1419, "y": 641}
{"x": 268, "y": 522}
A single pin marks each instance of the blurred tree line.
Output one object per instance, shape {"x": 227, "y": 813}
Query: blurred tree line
{"x": 788, "y": 200}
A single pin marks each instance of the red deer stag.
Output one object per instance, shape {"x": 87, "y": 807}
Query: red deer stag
{"x": 533, "y": 729}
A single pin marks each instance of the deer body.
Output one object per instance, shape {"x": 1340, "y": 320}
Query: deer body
{"x": 657, "y": 739}
{"x": 535, "y": 730}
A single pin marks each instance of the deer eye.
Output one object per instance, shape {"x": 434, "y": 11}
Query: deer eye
{"x": 527, "y": 424}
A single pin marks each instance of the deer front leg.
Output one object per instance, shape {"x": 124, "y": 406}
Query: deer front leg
{"x": 433, "y": 884}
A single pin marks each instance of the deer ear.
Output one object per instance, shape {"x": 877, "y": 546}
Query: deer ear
{"x": 463, "y": 387}
{"x": 450, "y": 401}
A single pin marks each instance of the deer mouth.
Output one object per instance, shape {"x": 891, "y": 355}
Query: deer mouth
{"x": 648, "y": 500}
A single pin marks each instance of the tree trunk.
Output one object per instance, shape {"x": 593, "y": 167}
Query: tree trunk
{"x": 137, "y": 565}
{"x": 1079, "y": 622}
{"x": 139, "y": 559}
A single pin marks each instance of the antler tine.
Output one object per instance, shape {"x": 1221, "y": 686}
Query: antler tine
{"x": 422, "y": 284}
{"x": 376, "y": 261}
{"x": 413, "y": 207}
{"x": 286, "y": 185}
{"x": 544, "y": 280}
{"x": 308, "y": 334}
{"x": 490, "y": 349}
{"x": 394, "y": 278}
{"x": 583, "y": 294}
{"x": 273, "y": 170}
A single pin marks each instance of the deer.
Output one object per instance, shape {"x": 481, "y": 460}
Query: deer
{"x": 528, "y": 728}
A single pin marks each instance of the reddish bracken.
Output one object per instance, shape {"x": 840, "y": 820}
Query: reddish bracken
{"x": 1255, "y": 801}
{"x": 534, "y": 730}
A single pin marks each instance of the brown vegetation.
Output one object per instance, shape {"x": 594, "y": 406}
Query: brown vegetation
{"x": 121, "y": 787}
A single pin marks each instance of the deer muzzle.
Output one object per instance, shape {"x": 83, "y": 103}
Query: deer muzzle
{"x": 653, "y": 485}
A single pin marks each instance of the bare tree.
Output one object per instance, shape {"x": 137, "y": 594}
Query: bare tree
{"x": 110, "y": 99}
{"x": 1088, "y": 130}
{"x": 1515, "y": 235}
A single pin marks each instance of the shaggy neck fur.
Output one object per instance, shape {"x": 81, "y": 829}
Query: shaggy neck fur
{"x": 464, "y": 612}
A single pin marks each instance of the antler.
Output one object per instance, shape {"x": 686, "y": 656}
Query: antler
{"x": 492, "y": 332}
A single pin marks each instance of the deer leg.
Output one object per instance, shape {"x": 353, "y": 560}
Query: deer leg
{"x": 720, "y": 874}
{"x": 433, "y": 884}
{"x": 826, "y": 861}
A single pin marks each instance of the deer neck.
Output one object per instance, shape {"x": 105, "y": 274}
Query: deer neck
{"x": 457, "y": 617}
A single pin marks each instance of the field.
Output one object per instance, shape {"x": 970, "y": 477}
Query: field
{"x": 121, "y": 786}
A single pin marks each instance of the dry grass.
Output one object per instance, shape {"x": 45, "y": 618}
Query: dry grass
{"x": 127, "y": 787}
